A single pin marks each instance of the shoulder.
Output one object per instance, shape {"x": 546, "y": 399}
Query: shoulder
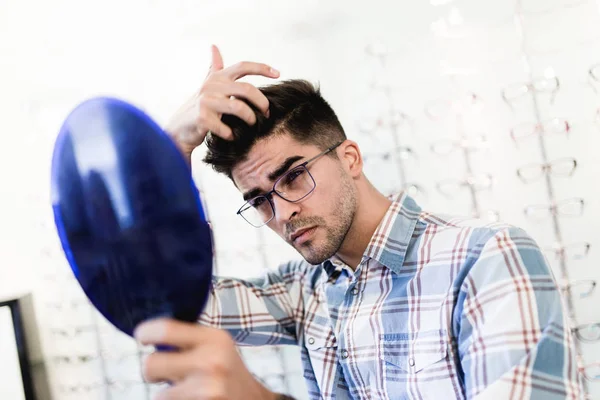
{"x": 477, "y": 241}
{"x": 476, "y": 231}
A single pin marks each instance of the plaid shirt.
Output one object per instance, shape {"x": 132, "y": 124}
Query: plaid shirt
{"x": 439, "y": 308}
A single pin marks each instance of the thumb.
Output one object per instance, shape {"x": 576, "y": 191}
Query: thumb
{"x": 217, "y": 60}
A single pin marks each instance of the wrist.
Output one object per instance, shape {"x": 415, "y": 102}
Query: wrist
{"x": 185, "y": 151}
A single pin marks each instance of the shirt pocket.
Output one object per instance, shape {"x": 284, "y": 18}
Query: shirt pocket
{"x": 320, "y": 360}
{"x": 413, "y": 352}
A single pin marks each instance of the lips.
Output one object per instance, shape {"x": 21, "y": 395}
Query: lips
{"x": 300, "y": 232}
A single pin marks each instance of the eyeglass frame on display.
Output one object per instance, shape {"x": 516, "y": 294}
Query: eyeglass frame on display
{"x": 106, "y": 355}
{"x": 268, "y": 196}
{"x": 73, "y": 331}
{"x": 568, "y": 286}
{"x": 405, "y": 152}
{"x": 120, "y": 385}
{"x": 530, "y": 87}
{"x": 553, "y": 207}
{"x": 394, "y": 120}
{"x": 577, "y": 329}
{"x": 451, "y": 105}
{"x": 592, "y": 76}
{"x": 538, "y": 129}
{"x": 468, "y": 144}
{"x": 69, "y": 304}
{"x": 559, "y": 251}
{"x": 461, "y": 183}
{"x": 546, "y": 168}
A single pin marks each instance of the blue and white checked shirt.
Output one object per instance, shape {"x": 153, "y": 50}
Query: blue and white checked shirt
{"x": 439, "y": 308}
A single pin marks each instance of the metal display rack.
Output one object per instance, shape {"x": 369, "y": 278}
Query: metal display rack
{"x": 536, "y": 89}
{"x": 392, "y": 121}
{"x": 467, "y": 144}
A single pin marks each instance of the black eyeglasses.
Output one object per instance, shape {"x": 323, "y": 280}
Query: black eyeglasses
{"x": 292, "y": 186}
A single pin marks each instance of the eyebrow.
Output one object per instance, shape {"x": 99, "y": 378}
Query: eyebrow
{"x": 282, "y": 169}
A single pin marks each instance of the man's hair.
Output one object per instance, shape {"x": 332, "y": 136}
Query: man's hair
{"x": 296, "y": 108}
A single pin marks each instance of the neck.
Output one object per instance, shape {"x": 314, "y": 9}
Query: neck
{"x": 371, "y": 208}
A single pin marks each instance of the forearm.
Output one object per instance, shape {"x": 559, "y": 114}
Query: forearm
{"x": 185, "y": 150}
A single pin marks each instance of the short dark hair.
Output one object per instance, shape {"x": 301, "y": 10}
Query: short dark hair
{"x": 296, "y": 107}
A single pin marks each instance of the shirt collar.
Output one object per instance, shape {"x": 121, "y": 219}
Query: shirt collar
{"x": 390, "y": 240}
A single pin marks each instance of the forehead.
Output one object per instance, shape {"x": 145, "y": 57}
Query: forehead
{"x": 264, "y": 158}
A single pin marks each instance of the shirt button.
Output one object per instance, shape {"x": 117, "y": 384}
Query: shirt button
{"x": 344, "y": 354}
{"x": 411, "y": 362}
{"x": 311, "y": 340}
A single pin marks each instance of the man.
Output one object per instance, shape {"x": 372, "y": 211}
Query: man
{"x": 391, "y": 302}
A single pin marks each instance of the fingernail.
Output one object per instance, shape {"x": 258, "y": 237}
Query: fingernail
{"x": 151, "y": 331}
{"x": 274, "y": 71}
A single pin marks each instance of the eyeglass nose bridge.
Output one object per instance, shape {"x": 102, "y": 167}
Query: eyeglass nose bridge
{"x": 270, "y": 199}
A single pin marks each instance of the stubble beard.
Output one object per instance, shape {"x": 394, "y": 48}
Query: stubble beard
{"x": 344, "y": 210}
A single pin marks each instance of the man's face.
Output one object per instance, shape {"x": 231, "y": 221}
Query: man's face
{"x": 328, "y": 211}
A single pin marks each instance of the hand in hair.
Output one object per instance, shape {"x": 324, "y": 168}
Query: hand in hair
{"x": 218, "y": 95}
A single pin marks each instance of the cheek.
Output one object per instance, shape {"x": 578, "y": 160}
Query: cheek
{"x": 322, "y": 201}
{"x": 327, "y": 188}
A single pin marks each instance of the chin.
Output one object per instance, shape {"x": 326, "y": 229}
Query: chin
{"x": 314, "y": 261}
{"x": 315, "y": 256}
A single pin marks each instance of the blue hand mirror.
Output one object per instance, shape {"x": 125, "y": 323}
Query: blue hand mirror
{"x": 129, "y": 216}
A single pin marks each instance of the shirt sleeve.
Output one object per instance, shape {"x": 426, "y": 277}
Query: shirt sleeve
{"x": 262, "y": 311}
{"x": 514, "y": 340}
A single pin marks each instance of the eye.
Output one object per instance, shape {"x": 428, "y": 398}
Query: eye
{"x": 293, "y": 174}
{"x": 257, "y": 201}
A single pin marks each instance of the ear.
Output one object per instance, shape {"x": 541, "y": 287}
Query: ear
{"x": 349, "y": 153}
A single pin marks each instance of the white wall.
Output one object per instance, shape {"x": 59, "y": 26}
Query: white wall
{"x": 154, "y": 53}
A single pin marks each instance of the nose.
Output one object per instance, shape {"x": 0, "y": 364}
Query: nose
{"x": 284, "y": 210}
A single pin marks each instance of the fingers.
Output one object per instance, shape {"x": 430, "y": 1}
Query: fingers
{"x": 181, "y": 392}
{"x": 209, "y": 123}
{"x": 232, "y": 106}
{"x": 166, "y": 367}
{"x": 191, "y": 389}
{"x": 216, "y": 127}
{"x": 163, "y": 331}
{"x": 217, "y": 59}
{"x": 245, "y": 68}
{"x": 240, "y": 90}
{"x": 221, "y": 94}
{"x": 197, "y": 387}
